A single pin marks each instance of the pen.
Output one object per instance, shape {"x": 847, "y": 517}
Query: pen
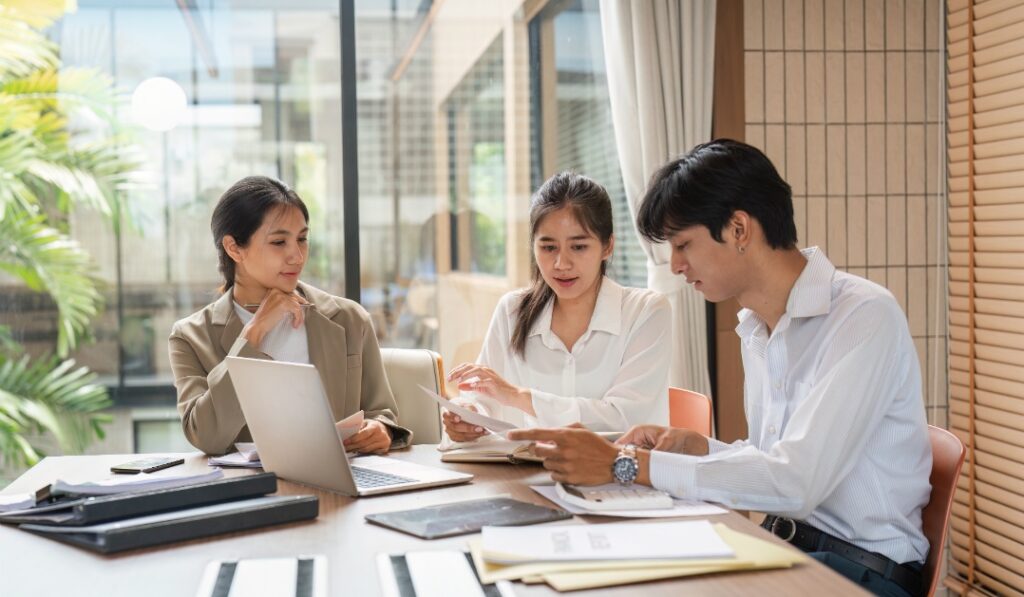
{"x": 257, "y": 305}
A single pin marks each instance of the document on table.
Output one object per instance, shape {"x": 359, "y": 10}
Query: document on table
{"x": 17, "y": 501}
{"x": 489, "y": 423}
{"x": 139, "y": 482}
{"x": 679, "y": 507}
{"x": 686, "y": 539}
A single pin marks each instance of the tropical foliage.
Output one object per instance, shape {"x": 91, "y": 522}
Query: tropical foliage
{"x": 51, "y": 160}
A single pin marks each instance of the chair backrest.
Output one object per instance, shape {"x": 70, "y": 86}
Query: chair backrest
{"x": 690, "y": 410}
{"x": 408, "y": 368}
{"x": 947, "y": 457}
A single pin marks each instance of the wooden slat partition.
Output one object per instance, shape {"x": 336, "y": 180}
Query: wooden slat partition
{"x": 985, "y": 141}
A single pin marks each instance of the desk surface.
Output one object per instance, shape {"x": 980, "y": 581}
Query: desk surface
{"x": 34, "y": 565}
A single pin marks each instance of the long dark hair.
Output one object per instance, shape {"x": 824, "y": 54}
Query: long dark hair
{"x": 590, "y": 204}
{"x": 240, "y": 212}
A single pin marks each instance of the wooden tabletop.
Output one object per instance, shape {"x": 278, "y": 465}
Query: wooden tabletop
{"x": 33, "y": 565}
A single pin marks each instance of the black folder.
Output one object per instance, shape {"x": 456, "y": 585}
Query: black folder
{"x": 182, "y": 525}
{"x": 93, "y": 510}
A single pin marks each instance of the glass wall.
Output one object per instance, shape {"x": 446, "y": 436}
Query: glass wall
{"x": 260, "y": 83}
{"x": 464, "y": 108}
{"x": 471, "y": 106}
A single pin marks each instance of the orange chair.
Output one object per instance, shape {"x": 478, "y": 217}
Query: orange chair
{"x": 690, "y": 410}
{"x": 947, "y": 457}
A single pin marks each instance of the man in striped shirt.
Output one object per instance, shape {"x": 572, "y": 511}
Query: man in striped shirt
{"x": 838, "y": 453}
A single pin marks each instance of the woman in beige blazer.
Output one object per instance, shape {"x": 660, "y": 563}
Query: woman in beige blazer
{"x": 260, "y": 228}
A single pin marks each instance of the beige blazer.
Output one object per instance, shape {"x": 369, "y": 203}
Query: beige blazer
{"x": 342, "y": 346}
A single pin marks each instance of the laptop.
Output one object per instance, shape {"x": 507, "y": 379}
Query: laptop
{"x": 290, "y": 419}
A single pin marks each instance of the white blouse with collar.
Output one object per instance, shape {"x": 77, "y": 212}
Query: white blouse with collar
{"x": 615, "y": 377}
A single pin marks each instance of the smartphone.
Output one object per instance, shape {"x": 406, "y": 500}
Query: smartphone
{"x": 146, "y": 465}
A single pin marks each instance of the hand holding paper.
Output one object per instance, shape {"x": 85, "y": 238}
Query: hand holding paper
{"x": 348, "y": 426}
{"x": 489, "y": 423}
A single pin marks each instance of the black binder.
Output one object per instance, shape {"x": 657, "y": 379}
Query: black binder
{"x": 182, "y": 525}
{"x": 94, "y": 510}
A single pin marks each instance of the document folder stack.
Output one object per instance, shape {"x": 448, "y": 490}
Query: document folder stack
{"x": 114, "y": 523}
{"x": 618, "y": 556}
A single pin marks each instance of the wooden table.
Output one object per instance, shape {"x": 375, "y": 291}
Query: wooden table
{"x": 31, "y": 565}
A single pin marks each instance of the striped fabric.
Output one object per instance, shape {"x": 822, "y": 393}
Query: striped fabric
{"x": 838, "y": 436}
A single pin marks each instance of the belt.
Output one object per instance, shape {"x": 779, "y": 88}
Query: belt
{"x": 810, "y": 539}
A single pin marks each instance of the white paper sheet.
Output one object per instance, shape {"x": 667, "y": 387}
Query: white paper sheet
{"x": 685, "y": 539}
{"x": 680, "y": 508}
{"x": 17, "y": 501}
{"x": 139, "y": 482}
{"x": 348, "y": 426}
{"x": 491, "y": 424}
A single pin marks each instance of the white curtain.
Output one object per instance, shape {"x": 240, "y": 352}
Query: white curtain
{"x": 660, "y": 60}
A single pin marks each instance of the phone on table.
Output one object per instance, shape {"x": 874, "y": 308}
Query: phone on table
{"x": 147, "y": 465}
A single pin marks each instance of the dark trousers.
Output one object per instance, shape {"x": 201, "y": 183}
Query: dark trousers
{"x": 869, "y": 580}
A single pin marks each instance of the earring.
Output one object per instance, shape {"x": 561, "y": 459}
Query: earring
{"x": 741, "y": 248}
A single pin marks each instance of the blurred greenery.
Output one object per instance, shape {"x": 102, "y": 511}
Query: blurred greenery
{"x": 49, "y": 165}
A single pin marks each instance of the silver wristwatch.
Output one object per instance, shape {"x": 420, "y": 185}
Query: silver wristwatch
{"x": 625, "y": 468}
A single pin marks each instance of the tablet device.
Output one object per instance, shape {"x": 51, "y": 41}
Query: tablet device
{"x": 459, "y": 518}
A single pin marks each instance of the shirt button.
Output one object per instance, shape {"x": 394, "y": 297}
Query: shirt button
{"x": 771, "y": 429}
{"x": 778, "y": 385}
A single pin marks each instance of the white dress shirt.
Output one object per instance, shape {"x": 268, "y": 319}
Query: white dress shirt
{"x": 283, "y": 342}
{"x": 838, "y": 435}
{"x": 614, "y": 377}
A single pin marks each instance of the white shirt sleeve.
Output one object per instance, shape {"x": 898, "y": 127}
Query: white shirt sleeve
{"x": 861, "y": 373}
{"x": 636, "y": 389}
{"x": 496, "y": 352}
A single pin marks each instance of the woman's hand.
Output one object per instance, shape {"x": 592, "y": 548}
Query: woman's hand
{"x": 459, "y": 430}
{"x": 666, "y": 439}
{"x": 478, "y": 378}
{"x": 372, "y": 438}
{"x": 275, "y": 306}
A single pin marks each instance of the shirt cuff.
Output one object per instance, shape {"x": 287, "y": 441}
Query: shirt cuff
{"x": 674, "y": 473}
{"x": 715, "y": 446}
{"x": 554, "y": 411}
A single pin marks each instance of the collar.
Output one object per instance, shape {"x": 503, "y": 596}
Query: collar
{"x": 327, "y": 305}
{"x": 810, "y": 296}
{"x": 607, "y": 316}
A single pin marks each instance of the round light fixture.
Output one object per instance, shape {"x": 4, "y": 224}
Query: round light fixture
{"x": 158, "y": 104}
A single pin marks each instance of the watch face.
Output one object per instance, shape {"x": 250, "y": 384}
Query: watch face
{"x": 625, "y": 469}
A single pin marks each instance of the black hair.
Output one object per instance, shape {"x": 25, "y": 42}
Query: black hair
{"x": 592, "y": 207}
{"x": 710, "y": 183}
{"x": 240, "y": 212}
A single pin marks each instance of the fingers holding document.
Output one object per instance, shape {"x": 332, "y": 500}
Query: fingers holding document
{"x": 573, "y": 454}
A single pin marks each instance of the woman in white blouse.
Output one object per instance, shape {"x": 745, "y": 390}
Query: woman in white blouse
{"x": 574, "y": 347}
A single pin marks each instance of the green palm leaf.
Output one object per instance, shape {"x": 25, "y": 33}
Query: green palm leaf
{"x": 47, "y": 396}
{"x": 48, "y": 261}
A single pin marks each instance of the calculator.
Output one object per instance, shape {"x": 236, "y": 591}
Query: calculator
{"x": 614, "y": 497}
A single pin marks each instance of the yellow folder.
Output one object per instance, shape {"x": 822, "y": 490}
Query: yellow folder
{"x": 751, "y": 554}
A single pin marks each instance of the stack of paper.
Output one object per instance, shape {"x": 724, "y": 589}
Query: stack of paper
{"x": 588, "y": 556}
{"x": 679, "y": 507}
{"x": 126, "y": 483}
{"x": 17, "y": 501}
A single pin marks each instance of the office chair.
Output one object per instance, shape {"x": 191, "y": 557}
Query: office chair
{"x": 407, "y": 369}
{"x": 947, "y": 457}
{"x": 690, "y": 410}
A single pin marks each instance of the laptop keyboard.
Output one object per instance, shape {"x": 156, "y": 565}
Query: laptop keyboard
{"x": 368, "y": 478}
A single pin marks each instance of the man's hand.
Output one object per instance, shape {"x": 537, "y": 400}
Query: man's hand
{"x": 372, "y": 438}
{"x": 666, "y": 439}
{"x": 573, "y": 454}
{"x": 459, "y": 430}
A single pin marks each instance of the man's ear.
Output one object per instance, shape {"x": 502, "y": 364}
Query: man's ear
{"x": 609, "y": 248}
{"x": 740, "y": 226}
{"x": 231, "y": 248}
